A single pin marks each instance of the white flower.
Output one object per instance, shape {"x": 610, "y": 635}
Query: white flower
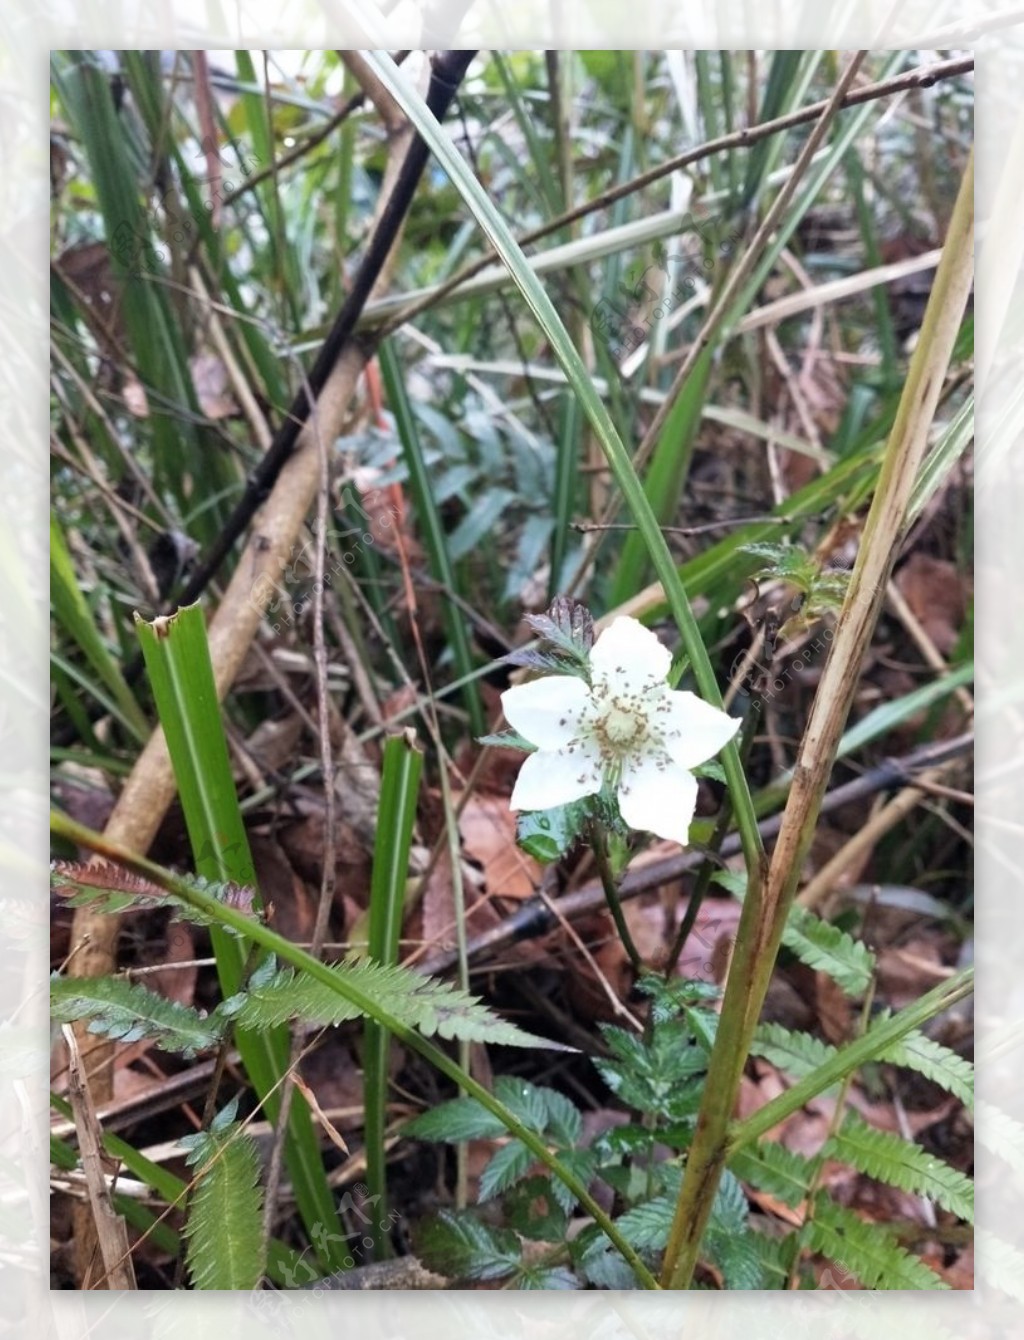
{"x": 628, "y": 728}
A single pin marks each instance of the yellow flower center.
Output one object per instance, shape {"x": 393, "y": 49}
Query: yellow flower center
{"x": 620, "y": 728}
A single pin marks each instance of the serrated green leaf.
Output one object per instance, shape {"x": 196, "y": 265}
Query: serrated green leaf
{"x": 564, "y": 1123}
{"x": 889, "y": 1158}
{"x": 525, "y": 1100}
{"x": 127, "y": 1011}
{"x": 647, "y": 1226}
{"x": 460, "y": 1246}
{"x": 729, "y": 1210}
{"x": 224, "y": 1225}
{"x": 458, "y": 1119}
{"x": 828, "y": 949}
{"x": 507, "y": 1165}
{"x": 546, "y": 1277}
{"x": 599, "y": 1263}
{"x": 944, "y": 1067}
{"x": 583, "y": 1164}
{"x": 659, "y": 1075}
{"x": 547, "y": 835}
{"x": 738, "y": 1257}
{"x": 672, "y": 998}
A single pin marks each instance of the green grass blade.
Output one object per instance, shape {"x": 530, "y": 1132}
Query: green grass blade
{"x": 400, "y": 780}
{"x": 178, "y": 663}
{"x": 154, "y": 340}
{"x": 789, "y": 77}
{"x": 75, "y": 619}
{"x": 570, "y": 438}
{"x": 666, "y": 476}
{"x": 936, "y": 466}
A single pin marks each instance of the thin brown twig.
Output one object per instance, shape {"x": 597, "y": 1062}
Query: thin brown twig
{"x": 308, "y": 144}
{"x": 737, "y": 139}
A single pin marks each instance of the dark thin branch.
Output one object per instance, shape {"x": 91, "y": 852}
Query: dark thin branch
{"x": 449, "y": 68}
{"x": 448, "y": 71}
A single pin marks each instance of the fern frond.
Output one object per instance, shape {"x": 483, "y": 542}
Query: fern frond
{"x": 889, "y": 1158}
{"x": 419, "y": 1002}
{"x": 828, "y": 949}
{"x": 795, "y": 1053}
{"x": 869, "y": 1251}
{"x": 944, "y": 1067}
{"x": 224, "y": 1225}
{"x": 109, "y": 887}
{"x": 127, "y": 1011}
{"x": 771, "y": 1167}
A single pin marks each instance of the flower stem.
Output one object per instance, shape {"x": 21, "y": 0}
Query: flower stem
{"x": 611, "y": 893}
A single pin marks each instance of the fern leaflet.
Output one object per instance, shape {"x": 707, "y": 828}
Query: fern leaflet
{"x": 771, "y": 1167}
{"x": 795, "y": 1053}
{"x": 127, "y": 1011}
{"x": 869, "y": 1251}
{"x": 890, "y": 1158}
{"x": 108, "y": 887}
{"x": 419, "y": 1002}
{"x": 944, "y": 1067}
{"x": 224, "y": 1224}
{"x": 828, "y": 949}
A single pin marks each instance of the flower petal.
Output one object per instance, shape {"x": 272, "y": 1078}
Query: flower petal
{"x": 628, "y": 657}
{"x": 657, "y": 796}
{"x": 556, "y": 777}
{"x": 546, "y": 711}
{"x": 692, "y": 729}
